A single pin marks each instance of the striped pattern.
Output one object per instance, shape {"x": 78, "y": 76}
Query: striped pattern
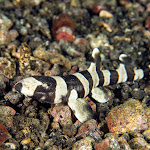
{"x": 54, "y": 89}
{"x": 87, "y": 75}
{"x": 101, "y": 78}
{"x": 114, "y": 77}
{"x": 74, "y": 83}
{"x": 84, "y": 82}
{"x": 94, "y": 75}
{"x": 130, "y": 73}
{"x": 60, "y": 89}
{"x": 73, "y": 88}
{"x": 46, "y": 90}
{"x": 106, "y": 75}
{"x": 122, "y": 74}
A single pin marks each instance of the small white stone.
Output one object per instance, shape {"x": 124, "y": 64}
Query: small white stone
{"x": 105, "y": 14}
{"x": 12, "y": 146}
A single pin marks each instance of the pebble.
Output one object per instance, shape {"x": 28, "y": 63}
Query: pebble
{"x": 73, "y": 52}
{"x": 105, "y": 25}
{"x": 5, "y": 37}
{"x": 23, "y": 31}
{"x": 3, "y": 82}
{"x": 26, "y": 141}
{"x": 31, "y": 111}
{"x": 7, "y": 67}
{"x": 55, "y": 71}
{"x": 80, "y": 41}
{"x": 127, "y": 117}
{"x": 38, "y": 148}
{"x": 69, "y": 130}
{"x": 13, "y": 34}
{"x": 55, "y": 125}
{"x": 44, "y": 27}
{"x": 61, "y": 114}
{"x": 48, "y": 143}
{"x": 136, "y": 134}
{"x": 88, "y": 4}
{"x": 28, "y": 2}
{"x": 147, "y": 23}
{"x": 12, "y": 97}
{"x": 147, "y": 89}
{"x": 123, "y": 143}
{"x": 53, "y": 58}
{"x": 24, "y": 59}
{"x": 108, "y": 143}
{"x": 122, "y": 38}
{"x": 44, "y": 120}
{"x": 70, "y": 142}
{"x": 146, "y": 134}
{"x": 22, "y": 122}
{"x": 7, "y": 120}
{"x": 97, "y": 8}
{"x": 26, "y": 131}
{"x": 75, "y": 3}
{"x": 7, "y": 111}
{"x": 148, "y": 7}
{"x": 83, "y": 144}
{"x": 147, "y": 111}
{"x": 137, "y": 93}
{"x": 3, "y": 133}
{"x": 100, "y": 40}
{"x": 39, "y": 66}
{"x": 137, "y": 143}
{"x": 147, "y": 34}
{"x": 5, "y": 22}
{"x": 106, "y": 14}
{"x": 89, "y": 128}
{"x": 11, "y": 146}
{"x": 92, "y": 104}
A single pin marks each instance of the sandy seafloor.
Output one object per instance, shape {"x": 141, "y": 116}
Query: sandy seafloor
{"x": 32, "y": 43}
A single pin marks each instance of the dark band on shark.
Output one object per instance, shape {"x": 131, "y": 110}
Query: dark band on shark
{"x": 113, "y": 77}
{"x": 130, "y": 73}
{"x": 47, "y": 90}
{"x": 74, "y": 83}
{"x": 87, "y": 75}
{"x": 101, "y": 77}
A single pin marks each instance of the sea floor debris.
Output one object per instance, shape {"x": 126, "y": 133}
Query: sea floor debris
{"x": 28, "y": 47}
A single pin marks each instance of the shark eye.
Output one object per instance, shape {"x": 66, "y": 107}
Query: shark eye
{"x": 18, "y": 87}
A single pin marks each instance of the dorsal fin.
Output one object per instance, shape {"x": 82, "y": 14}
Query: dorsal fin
{"x": 125, "y": 59}
{"x": 96, "y": 57}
